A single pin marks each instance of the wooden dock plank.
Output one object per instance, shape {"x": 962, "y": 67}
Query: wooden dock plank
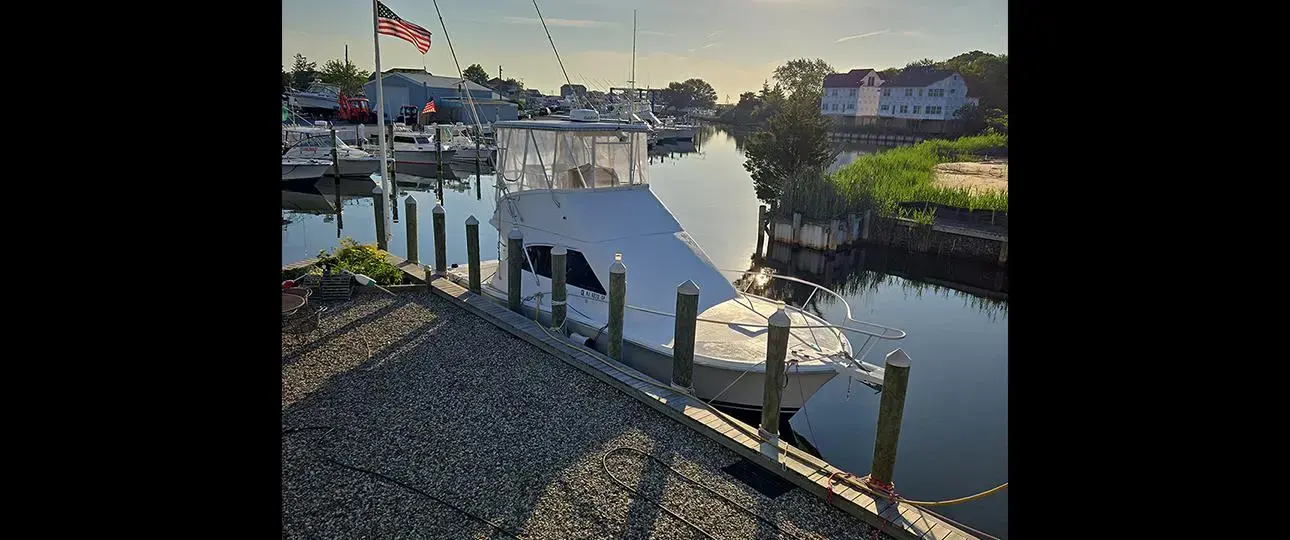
{"x": 789, "y": 463}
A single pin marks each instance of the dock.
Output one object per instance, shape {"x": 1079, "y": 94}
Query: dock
{"x": 440, "y": 392}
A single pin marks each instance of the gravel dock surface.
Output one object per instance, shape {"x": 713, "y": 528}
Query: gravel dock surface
{"x": 441, "y": 401}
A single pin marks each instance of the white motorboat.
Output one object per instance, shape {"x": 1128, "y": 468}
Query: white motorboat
{"x": 584, "y": 186}
{"x": 464, "y": 144}
{"x": 316, "y": 143}
{"x": 415, "y": 152}
{"x": 303, "y": 169}
{"x": 318, "y": 96}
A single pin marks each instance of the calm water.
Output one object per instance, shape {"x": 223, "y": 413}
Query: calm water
{"x": 954, "y": 438}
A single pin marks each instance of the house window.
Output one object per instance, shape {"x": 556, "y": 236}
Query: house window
{"x": 952, "y": 90}
{"x": 824, "y": 106}
{"x": 886, "y": 91}
{"x": 835, "y": 106}
{"x": 871, "y": 80}
{"x": 916, "y": 107}
{"x": 577, "y": 272}
{"x": 853, "y": 92}
{"x": 920, "y": 92}
{"x": 909, "y": 92}
{"x": 936, "y": 92}
{"x": 904, "y": 108}
{"x": 886, "y": 107}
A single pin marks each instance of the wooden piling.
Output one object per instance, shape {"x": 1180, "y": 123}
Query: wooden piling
{"x": 411, "y": 206}
{"x": 761, "y": 228}
{"x": 1003, "y": 252}
{"x": 440, "y": 242}
{"x": 617, "y": 306}
{"x": 797, "y": 228}
{"x": 776, "y": 352}
{"x": 864, "y": 228}
{"x": 514, "y": 265}
{"x": 378, "y": 200}
{"x": 687, "y": 309}
{"x": 472, "y": 252}
{"x": 438, "y": 160}
{"x": 891, "y": 407}
{"x": 335, "y": 160}
{"x": 559, "y": 290}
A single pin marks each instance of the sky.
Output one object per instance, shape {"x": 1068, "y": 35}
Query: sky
{"x": 734, "y": 45}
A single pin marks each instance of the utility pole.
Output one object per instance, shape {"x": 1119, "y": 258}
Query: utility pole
{"x": 499, "y": 71}
{"x": 346, "y": 54}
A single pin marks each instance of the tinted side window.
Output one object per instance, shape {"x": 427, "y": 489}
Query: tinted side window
{"x": 541, "y": 257}
{"x": 579, "y": 273}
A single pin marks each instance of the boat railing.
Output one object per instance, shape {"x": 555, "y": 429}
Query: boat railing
{"x": 873, "y": 332}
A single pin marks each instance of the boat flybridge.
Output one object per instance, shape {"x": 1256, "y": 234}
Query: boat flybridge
{"x": 584, "y": 186}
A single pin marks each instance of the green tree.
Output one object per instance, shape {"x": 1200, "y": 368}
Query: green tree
{"x": 303, "y": 72}
{"x": 793, "y": 148}
{"x": 803, "y": 75}
{"x": 477, "y": 74}
{"x": 926, "y": 62}
{"x": 971, "y": 119}
{"x": 286, "y": 79}
{"x": 519, "y": 86}
{"x": 347, "y": 76}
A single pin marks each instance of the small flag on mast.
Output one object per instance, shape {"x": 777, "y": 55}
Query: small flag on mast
{"x": 391, "y": 25}
{"x": 429, "y": 108}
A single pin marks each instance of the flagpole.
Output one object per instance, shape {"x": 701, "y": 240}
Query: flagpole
{"x": 380, "y": 122}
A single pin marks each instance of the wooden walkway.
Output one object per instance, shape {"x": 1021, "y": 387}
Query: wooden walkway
{"x": 898, "y": 520}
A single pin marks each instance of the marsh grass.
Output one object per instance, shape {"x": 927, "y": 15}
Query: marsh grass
{"x": 906, "y": 174}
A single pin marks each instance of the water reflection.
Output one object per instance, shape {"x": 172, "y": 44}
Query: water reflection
{"x": 983, "y": 286}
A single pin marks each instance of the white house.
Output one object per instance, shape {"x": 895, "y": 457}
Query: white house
{"x": 851, "y": 98}
{"x": 922, "y": 99}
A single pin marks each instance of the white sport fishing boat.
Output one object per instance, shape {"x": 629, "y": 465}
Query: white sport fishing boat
{"x": 415, "y": 152}
{"x": 318, "y": 96}
{"x": 584, "y": 185}
{"x": 316, "y": 143}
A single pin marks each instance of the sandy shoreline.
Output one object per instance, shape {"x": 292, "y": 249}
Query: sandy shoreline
{"x": 989, "y": 175}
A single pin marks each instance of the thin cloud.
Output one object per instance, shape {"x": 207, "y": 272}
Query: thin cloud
{"x": 712, "y": 35}
{"x": 864, "y": 35}
{"x": 576, "y": 23}
{"x": 710, "y": 45}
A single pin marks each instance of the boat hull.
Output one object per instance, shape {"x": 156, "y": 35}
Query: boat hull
{"x": 732, "y": 388}
{"x": 421, "y": 162}
{"x": 671, "y": 133}
{"x": 298, "y": 172}
{"x": 314, "y": 101}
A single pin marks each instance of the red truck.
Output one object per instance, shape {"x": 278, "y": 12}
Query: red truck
{"x": 355, "y": 110}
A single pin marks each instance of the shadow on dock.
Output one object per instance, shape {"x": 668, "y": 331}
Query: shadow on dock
{"x": 405, "y": 416}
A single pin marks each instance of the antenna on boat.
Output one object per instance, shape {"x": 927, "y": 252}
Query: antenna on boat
{"x": 474, "y": 115}
{"x": 633, "y": 79}
{"x": 557, "y": 53}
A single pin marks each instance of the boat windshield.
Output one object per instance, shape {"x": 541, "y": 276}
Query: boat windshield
{"x": 571, "y": 159}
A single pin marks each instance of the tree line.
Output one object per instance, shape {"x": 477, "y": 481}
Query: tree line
{"x": 339, "y": 72}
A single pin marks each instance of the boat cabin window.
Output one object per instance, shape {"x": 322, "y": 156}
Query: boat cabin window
{"x": 571, "y": 159}
{"x": 577, "y": 272}
{"x": 403, "y": 139}
{"x": 423, "y": 140}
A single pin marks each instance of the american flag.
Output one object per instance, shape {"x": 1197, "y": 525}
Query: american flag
{"x": 391, "y": 25}
{"x": 429, "y": 108}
